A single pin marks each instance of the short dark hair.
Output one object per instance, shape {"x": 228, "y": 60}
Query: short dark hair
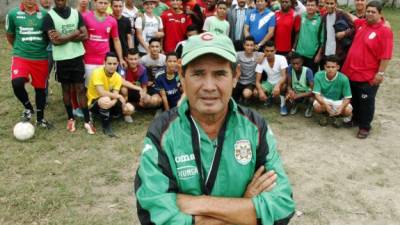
{"x": 110, "y": 54}
{"x": 296, "y": 55}
{"x": 192, "y": 27}
{"x": 316, "y": 1}
{"x": 249, "y": 38}
{"x": 221, "y": 2}
{"x": 112, "y": 1}
{"x": 332, "y": 58}
{"x": 269, "y": 44}
{"x": 131, "y": 51}
{"x": 170, "y": 55}
{"x": 155, "y": 40}
{"x": 375, "y": 4}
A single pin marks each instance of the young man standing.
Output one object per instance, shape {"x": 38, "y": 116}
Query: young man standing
{"x": 175, "y": 23}
{"x": 236, "y": 18}
{"x": 260, "y": 23}
{"x": 275, "y": 67}
{"x": 247, "y": 59}
{"x": 147, "y": 27}
{"x": 103, "y": 95}
{"x": 300, "y": 85}
{"x": 124, "y": 27}
{"x": 101, "y": 27}
{"x": 287, "y": 26}
{"x": 30, "y": 58}
{"x": 217, "y": 24}
{"x": 366, "y": 63}
{"x": 310, "y": 37}
{"x": 360, "y": 9}
{"x": 83, "y": 7}
{"x": 66, "y": 31}
{"x": 332, "y": 93}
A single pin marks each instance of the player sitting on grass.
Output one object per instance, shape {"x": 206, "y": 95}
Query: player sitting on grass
{"x": 275, "y": 67}
{"x": 103, "y": 95}
{"x": 300, "y": 85}
{"x": 168, "y": 83}
{"x": 332, "y": 93}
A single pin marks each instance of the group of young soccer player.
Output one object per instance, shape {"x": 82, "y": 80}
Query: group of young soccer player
{"x": 112, "y": 57}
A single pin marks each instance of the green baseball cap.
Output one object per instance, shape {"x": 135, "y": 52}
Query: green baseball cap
{"x": 206, "y": 43}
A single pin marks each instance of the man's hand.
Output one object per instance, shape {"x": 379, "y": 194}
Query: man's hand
{"x": 378, "y": 79}
{"x": 291, "y": 95}
{"x": 317, "y": 58}
{"x": 123, "y": 63}
{"x": 339, "y": 110}
{"x": 261, "y": 182}
{"x": 329, "y": 109}
{"x": 276, "y": 91}
{"x": 340, "y": 35}
{"x": 54, "y": 35}
{"x": 261, "y": 95}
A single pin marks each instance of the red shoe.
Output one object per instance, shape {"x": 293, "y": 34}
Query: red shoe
{"x": 71, "y": 125}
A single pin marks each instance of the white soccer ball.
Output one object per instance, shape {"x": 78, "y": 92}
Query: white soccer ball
{"x": 23, "y": 131}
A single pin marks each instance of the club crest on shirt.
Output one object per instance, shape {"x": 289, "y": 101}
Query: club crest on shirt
{"x": 252, "y": 17}
{"x": 39, "y": 15}
{"x": 108, "y": 29}
{"x": 243, "y": 152}
{"x": 15, "y": 72}
{"x": 372, "y": 36}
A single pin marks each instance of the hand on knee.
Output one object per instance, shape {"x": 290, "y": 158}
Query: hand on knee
{"x": 128, "y": 109}
{"x": 105, "y": 103}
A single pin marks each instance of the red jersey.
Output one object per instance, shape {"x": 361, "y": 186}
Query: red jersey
{"x": 371, "y": 44}
{"x": 175, "y": 28}
{"x": 138, "y": 75}
{"x": 286, "y": 23}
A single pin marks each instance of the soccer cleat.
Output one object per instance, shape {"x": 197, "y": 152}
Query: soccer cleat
{"x": 71, "y": 125}
{"x": 293, "y": 109}
{"x": 109, "y": 132}
{"x": 44, "y": 124}
{"x": 90, "y": 129}
{"x": 323, "y": 121}
{"x": 283, "y": 110}
{"x": 269, "y": 102}
{"x": 26, "y": 115}
{"x": 337, "y": 122}
{"x": 309, "y": 111}
{"x": 128, "y": 119}
{"x": 362, "y": 133}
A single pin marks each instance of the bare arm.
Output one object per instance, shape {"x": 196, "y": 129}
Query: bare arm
{"x": 246, "y": 30}
{"x": 103, "y": 93}
{"x": 378, "y": 79}
{"x": 270, "y": 34}
{"x": 58, "y": 39}
{"x": 118, "y": 49}
{"x": 141, "y": 40}
{"x": 129, "y": 85}
{"x": 164, "y": 99}
{"x": 10, "y": 38}
{"x": 130, "y": 41}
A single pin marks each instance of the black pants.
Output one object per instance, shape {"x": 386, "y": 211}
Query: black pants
{"x": 363, "y": 102}
{"x": 309, "y": 62}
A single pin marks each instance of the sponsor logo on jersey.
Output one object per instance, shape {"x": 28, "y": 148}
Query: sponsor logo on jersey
{"x": 243, "y": 152}
{"x": 184, "y": 158}
{"x": 187, "y": 172}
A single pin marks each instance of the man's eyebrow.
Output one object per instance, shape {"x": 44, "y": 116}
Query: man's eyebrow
{"x": 198, "y": 71}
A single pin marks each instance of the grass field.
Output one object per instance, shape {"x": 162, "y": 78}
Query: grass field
{"x": 63, "y": 178}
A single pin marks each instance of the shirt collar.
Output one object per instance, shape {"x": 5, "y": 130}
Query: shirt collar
{"x": 22, "y": 7}
{"x": 237, "y": 7}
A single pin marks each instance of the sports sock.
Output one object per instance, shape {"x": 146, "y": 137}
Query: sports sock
{"x": 86, "y": 115}
{"x": 40, "y": 98}
{"x": 347, "y": 119}
{"x": 18, "y": 85}
{"x": 282, "y": 100}
{"x": 68, "y": 108}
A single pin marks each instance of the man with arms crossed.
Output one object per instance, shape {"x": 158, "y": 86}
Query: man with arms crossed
{"x": 197, "y": 167}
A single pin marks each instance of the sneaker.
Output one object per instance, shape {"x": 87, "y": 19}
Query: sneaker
{"x": 337, "y": 122}
{"x": 293, "y": 109}
{"x": 269, "y": 102}
{"x": 362, "y": 133}
{"x": 44, "y": 124}
{"x": 90, "y": 129}
{"x": 78, "y": 113}
{"x": 323, "y": 121}
{"x": 309, "y": 111}
{"x": 128, "y": 119}
{"x": 349, "y": 124}
{"x": 71, "y": 125}
{"x": 283, "y": 110}
{"x": 109, "y": 132}
{"x": 26, "y": 115}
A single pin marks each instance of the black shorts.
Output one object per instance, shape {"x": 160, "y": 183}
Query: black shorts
{"x": 133, "y": 96}
{"x": 115, "y": 111}
{"x": 152, "y": 90}
{"x": 238, "y": 91}
{"x": 70, "y": 71}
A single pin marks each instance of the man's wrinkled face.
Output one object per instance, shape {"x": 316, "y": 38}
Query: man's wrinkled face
{"x": 208, "y": 82}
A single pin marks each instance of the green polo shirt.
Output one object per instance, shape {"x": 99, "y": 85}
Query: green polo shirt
{"x": 336, "y": 89}
{"x": 30, "y": 41}
{"x": 310, "y": 36}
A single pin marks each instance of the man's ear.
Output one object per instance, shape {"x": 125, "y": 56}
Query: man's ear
{"x": 236, "y": 75}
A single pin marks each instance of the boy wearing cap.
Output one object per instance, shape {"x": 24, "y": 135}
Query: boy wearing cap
{"x": 209, "y": 146}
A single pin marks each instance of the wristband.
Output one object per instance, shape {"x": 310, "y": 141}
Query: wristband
{"x": 381, "y": 73}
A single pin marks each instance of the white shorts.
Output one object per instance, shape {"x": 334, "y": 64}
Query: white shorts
{"x": 88, "y": 72}
{"x": 335, "y": 104}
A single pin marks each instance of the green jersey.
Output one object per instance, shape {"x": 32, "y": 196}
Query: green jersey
{"x": 30, "y": 41}
{"x": 216, "y": 26}
{"x": 179, "y": 157}
{"x": 335, "y": 89}
{"x": 310, "y": 36}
